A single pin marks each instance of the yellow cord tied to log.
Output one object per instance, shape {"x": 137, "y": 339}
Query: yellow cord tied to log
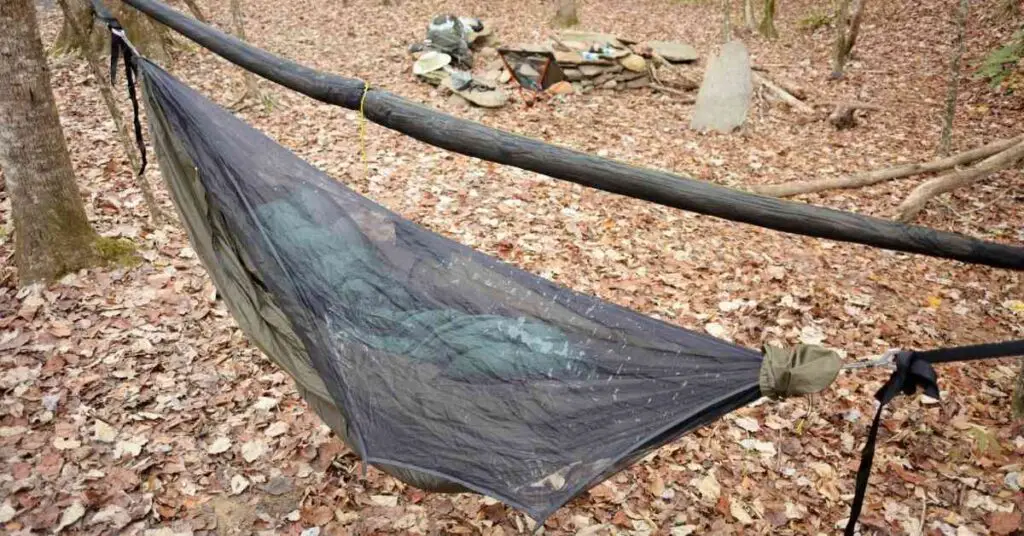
{"x": 362, "y": 128}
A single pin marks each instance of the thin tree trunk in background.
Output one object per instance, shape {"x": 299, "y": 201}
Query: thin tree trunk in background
{"x": 767, "y": 27}
{"x": 839, "y": 52}
{"x": 726, "y": 21}
{"x": 566, "y": 15}
{"x": 196, "y": 12}
{"x": 115, "y": 113}
{"x": 51, "y": 233}
{"x": 954, "y": 79}
{"x": 251, "y": 89}
{"x": 851, "y": 37}
{"x": 748, "y": 15}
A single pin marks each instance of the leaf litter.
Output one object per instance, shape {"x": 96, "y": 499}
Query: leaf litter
{"x": 202, "y": 435}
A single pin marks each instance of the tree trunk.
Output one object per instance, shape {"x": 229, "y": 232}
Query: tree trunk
{"x": 566, "y": 15}
{"x": 51, "y": 233}
{"x": 767, "y": 27}
{"x": 874, "y": 177}
{"x": 914, "y": 202}
{"x": 954, "y": 79}
{"x": 748, "y": 15}
{"x": 851, "y": 37}
{"x": 252, "y": 90}
{"x": 196, "y": 12}
{"x": 726, "y": 21}
{"x": 839, "y": 52}
{"x": 107, "y": 93}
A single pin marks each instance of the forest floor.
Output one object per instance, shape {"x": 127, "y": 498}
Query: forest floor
{"x": 132, "y": 400}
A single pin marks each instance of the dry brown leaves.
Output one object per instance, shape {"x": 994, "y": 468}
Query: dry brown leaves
{"x": 132, "y": 403}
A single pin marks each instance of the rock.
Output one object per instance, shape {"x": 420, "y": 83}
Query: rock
{"x": 561, "y": 88}
{"x": 570, "y": 57}
{"x": 634, "y": 63}
{"x": 591, "y": 70}
{"x": 592, "y": 37}
{"x": 639, "y": 83}
{"x": 573, "y": 75}
{"x": 725, "y": 94}
{"x": 630, "y": 75}
{"x": 611, "y": 84}
{"x": 674, "y": 51}
{"x": 458, "y": 101}
{"x": 601, "y": 80}
{"x": 495, "y": 98}
{"x": 505, "y": 76}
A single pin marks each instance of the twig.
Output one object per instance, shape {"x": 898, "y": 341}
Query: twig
{"x": 689, "y": 99}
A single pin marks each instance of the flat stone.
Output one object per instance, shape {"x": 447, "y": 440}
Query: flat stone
{"x": 486, "y": 99}
{"x": 611, "y": 84}
{"x": 573, "y": 75}
{"x": 457, "y": 101}
{"x": 600, "y": 80}
{"x": 591, "y": 70}
{"x": 626, "y": 76}
{"x": 561, "y": 88}
{"x": 570, "y": 57}
{"x": 592, "y": 37}
{"x": 634, "y": 63}
{"x": 725, "y": 94}
{"x": 639, "y": 83}
{"x": 674, "y": 51}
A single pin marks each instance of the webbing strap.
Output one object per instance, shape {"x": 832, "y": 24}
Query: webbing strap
{"x": 120, "y": 46}
{"x": 913, "y": 370}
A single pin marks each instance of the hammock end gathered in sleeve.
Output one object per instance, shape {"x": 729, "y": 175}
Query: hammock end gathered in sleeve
{"x": 798, "y": 370}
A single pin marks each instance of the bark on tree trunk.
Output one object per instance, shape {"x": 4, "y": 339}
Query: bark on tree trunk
{"x": 767, "y": 27}
{"x": 566, "y": 15}
{"x": 726, "y": 21}
{"x": 874, "y": 177}
{"x": 124, "y": 136}
{"x": 252, "y": 90}
{"x": 912, "y": 205}
{"x": 839, "y": 53}
{"x": 954, "y": 79}
{"x": 748, "y": 15}
{"x": 196, "y": 12}
{"x": 51, "y": 233}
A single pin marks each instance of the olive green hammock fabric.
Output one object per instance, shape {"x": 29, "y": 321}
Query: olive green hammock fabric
{"x": 436, "y": 363}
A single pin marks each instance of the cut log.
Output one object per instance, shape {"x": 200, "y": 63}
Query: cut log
{"x": 912, "y": 205}
{"x": 874, "y": 177}
{"x": 786, "y": 96}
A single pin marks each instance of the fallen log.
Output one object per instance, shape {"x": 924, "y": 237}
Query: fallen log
{"x": 915, "y": 202}
{"x": 874, "y": 177}
{"x": 474, "y": 139}
{"x": 786, "y": 96}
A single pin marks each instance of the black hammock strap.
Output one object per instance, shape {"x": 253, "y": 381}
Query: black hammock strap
{"x": 120, "y": 46}
{"x": 913, "y": 370}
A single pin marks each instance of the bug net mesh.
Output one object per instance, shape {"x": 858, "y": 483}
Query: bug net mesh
{"x": 436, "y": 361}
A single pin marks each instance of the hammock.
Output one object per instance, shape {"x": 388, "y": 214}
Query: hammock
{"x": 445, "y": 367}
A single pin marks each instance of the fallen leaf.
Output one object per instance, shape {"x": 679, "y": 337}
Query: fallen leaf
{"x": 384, "y": 500}
{"x": 709, "y": 488}
{"x": 276, "y": 429}
{"x": 238, "y": 484}
{"x": 61, "y": 443}
{"x": 219, "y": 445}
{"x": 70, "y": 515}
{"x": 739, "y": 513}
{"x": 103, "y": 432}
{"x": 1005, "y": 523}
{"x": 748, "y": 424}
{"x": 7, "y": 511}
{"x": 252, "y": 450}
